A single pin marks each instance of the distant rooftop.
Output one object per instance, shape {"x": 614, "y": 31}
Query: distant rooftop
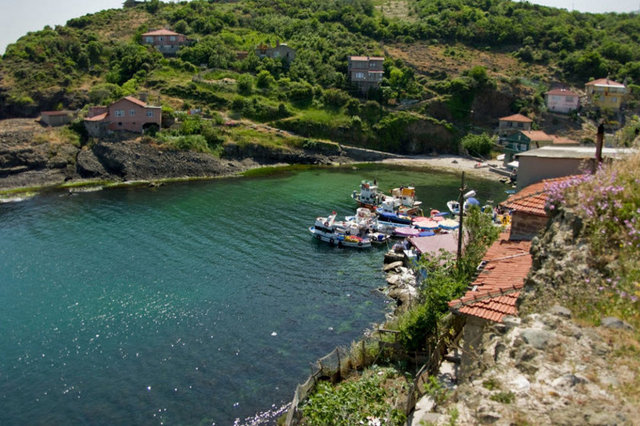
{"x": 604, "y": 82}
{"x": 562, "y": 92}
{"x": 366, "y": 58}
{"x": 536, "y": 135}
{"x": 575, "y": 152}
{"x": 162, "y": 32}
{"x": 518, "y": 118}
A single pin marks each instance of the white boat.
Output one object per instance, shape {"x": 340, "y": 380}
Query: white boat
{"x": 341, "y": 234}
{"x": 368, "y": 196}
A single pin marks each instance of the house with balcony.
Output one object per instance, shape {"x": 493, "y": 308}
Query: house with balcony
{"x": 165, "y": 41}
{"x": 127, "y": 114}
{"x": 562, "y": 100}
{"x": 604, "y": 93}
{"x": 365, "y": 72}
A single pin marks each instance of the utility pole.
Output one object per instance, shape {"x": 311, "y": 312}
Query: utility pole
{"x": 463, "y": 188}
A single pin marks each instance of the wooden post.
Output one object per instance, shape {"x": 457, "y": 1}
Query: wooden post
{"x": 364, "y": 355}
{"x": 461, "y": 211}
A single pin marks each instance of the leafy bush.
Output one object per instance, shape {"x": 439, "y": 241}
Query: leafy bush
{"x": 479, "y": 145}
{"x": 356, "y": 401}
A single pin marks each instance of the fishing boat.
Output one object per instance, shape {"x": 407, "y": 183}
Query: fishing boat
{"x": 339, "y": 233}
{"x": 368, "y": 197}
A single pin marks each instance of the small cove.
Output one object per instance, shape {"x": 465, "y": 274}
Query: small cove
{"x": 192, "y": 303}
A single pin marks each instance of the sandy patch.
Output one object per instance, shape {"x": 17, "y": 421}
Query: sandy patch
{"x": 451, "y": 163}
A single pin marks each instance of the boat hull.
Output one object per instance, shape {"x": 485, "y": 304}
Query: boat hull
{"x": 339, "y": 239}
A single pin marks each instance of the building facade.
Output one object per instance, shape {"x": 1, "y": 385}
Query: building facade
{"x": 280, "y": 51}
{"x": 562, "y": 100}
{"x": 56, "y": 118}
{"x": 166, "y": 41}
{"x": 513, "y": 124}
{"x": 127, "y": 114}
{"x": 366, "y": 72}
{"x": 605, "y": 93}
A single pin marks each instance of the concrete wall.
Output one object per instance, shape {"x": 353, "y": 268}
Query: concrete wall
{"x": 471, "y": 341}
{"x": 562, "y": 104}
{"x": 534, "y": 169}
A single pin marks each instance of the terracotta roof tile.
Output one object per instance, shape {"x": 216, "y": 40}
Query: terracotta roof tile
{"x": 135, "y": 101}
{"x": 98, "y": 117}
{"x": 536, "y": 135}
{"x": 533, "y": 198}
{"x": 517, "y": 117}
{"x": 495, "y": 291}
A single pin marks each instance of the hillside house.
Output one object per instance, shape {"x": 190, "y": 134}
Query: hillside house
{"x": 56, "y": 118}
{"x": 280, "y": 51}
{"x": 127, "y": 114}
{"x": 605, "y": 93}
{"x": 523, "y": 141}
{"x": 167, "y": 42}
{"x": 512, "y": 124}
{"x": 365, "y": 72}
{"x": 562, "y": 100}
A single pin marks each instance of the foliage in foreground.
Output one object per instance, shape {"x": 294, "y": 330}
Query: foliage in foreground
{"x": 608, "y": 203}
{"x": 446, "y": 280}
{"x": 368, "y": 399}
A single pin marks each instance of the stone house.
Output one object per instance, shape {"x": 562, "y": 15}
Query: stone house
{"x": 365, "y": 72}
{"x": 494, "y": 293}
{"x": 56, "y": 118}
{"x": 562, "y": 100}
{"x": 127, "y": 114}
{"x": 605, "y": 93}
{"x": 512, "y": 124}
{"x": 280, "y": 51}
{"x": 167, "y": 42}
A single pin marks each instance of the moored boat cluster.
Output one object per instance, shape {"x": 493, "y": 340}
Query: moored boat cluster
{"x": 380, "y": 217}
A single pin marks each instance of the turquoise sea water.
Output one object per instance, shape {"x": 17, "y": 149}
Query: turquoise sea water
{"x": 194, "y": 303}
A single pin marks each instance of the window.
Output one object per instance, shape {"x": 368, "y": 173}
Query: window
{"x": 132, "y": 112}
{"x": 172, "y": 38}
{"x": 520, "y": 125}
{"x": 119, "y": 113}
{"x": 360, "y": 75}
{"x": 149, "y": 39}
{"x": 523, "y": 147}
{"x": 150, "y": 113}
{"x": 569, "y": 98}
{"x": 614, "y": 99}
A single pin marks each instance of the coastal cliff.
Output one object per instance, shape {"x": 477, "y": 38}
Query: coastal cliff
{"x": 32, "y": 155}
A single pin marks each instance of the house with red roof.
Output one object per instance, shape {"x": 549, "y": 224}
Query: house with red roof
{"x": 512, "y": 124}
{"x": 365, "y": 72}
{"x": 166, "y": 41}
{"x": 605, "y": 93}
{"x": 562, "y": 100}
{"x": 126, "y": 114}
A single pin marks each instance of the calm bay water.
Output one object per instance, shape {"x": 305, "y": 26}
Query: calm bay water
{"x": 192, "y": 303}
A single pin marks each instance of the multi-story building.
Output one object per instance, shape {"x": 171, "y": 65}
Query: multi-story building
{"x": 127, "y": 114}
{"x": 562, "y": 100}
{"x": 365, "y": 72}
{"x": 166, "y": 41}
{"x": 605, "y": 93}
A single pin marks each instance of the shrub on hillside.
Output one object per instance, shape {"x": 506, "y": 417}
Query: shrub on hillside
{"x": 478, "y": 145}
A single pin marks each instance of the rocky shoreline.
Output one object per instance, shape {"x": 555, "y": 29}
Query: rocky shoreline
{"x": 30, "y": 158}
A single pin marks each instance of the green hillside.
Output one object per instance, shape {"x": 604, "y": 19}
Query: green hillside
{"x": 451, "y": 66}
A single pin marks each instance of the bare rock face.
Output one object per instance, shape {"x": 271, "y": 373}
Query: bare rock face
{"x": 545, "y": 370}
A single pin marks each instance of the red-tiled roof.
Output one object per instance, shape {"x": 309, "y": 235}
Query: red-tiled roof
{"x": 536, "y": 135}
{"x": 562, "y": 92}
{"x": 494, "y": 292}
{"x": 517, "y": 117}
{"x": 98, "y": 117}
{"x": 533, "y": 198}
{"x": 135, "y": 101}
{"x": 604, "y": 82}
{"x": 162, "y": 32}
